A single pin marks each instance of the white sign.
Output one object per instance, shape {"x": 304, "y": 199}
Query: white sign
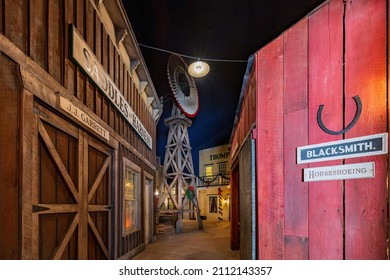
{"x": 349, "y": 148}
{"x": 83, "y": 117}
{"x": 84, "y": 57}
{"x": 339, "y": 172}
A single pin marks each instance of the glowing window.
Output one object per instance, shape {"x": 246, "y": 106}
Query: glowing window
{"x": 131, "y": 185}
{"x": 208, "y": 172}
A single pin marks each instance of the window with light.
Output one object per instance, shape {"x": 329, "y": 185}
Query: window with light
{"x": 209, "y": 172}
{"x": 131, "y": 182}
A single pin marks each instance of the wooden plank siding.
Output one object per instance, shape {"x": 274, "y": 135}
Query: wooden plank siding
{"x": 326, "y": 87}
{"x": 296, "y": 123}
{"x": 47, "y": 45}
{"x": 38, "y": 34}
{"x": 9, "y": 171}
{"x": 365, "y": 76}
{"x": 269, "y": 153}
{"x": 327, "y": 58}
{"x": 247, "y": 117}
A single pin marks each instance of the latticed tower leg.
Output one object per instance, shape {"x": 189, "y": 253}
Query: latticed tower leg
{"x": 178, "y": 171}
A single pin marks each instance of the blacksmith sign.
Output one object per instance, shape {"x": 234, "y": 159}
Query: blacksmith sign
{"x": 81, "y": 54}
{"x": 350, "y": 148}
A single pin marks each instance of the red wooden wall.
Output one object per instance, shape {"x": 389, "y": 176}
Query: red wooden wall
{"x": 335, "y": 53}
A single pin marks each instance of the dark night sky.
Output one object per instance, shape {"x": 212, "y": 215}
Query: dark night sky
{"x": 228, "y": 30}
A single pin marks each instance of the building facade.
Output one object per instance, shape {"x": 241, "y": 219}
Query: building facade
{"x": 78, "y": 132}
{"x": 320, "y": 89}
{"x": 213, "y": 183}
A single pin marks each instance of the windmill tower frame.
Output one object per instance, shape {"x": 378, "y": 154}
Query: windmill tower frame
{"x": 178, "y": 181}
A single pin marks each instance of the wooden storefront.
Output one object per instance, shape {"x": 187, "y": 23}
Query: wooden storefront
{"x": 78, "y": 132}
{"x": 338, "y": 52}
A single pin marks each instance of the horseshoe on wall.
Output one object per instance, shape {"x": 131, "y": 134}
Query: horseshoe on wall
{"x": 355, "y": 119}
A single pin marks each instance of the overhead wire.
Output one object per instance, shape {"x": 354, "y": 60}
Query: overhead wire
{"x": 194, "y": 57}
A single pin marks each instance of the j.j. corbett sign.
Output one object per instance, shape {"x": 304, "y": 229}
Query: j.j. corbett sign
{"x": 81, "y": 54}
{"x": 350, "y": 148}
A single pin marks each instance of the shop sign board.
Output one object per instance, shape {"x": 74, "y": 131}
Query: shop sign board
{"x": 349, "y": 148}
{"x": 83, "y": 56}
{"x": 339, "y": 172}
{"x": 83, "y": 117}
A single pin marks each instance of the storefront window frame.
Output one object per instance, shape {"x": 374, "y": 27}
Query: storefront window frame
{"x": 129, "y": 166}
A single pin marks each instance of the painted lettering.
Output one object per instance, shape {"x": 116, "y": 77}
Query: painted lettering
{"x": 85, "y": 58}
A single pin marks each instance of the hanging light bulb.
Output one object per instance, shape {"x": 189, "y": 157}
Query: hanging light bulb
{"x": 198, "y": 69}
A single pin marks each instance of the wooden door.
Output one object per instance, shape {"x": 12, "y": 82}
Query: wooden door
{"x": 72, "y": 192}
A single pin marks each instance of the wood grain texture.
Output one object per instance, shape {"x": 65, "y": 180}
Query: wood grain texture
{"x": 38, "y": 43}
{"x": 247, "y": 247}
{"x": 69, "y": 67}
{"x": 365, "y": 75}
{"x": 326, "y": 87}
{"x": 295, "y": 129}
{"x": 15, "y": 23}
{"x": 35, "y": 36}
{"x": 269, "y": 67}
{"x": 9, "y": 180}
{"x": 234, "y": 209}
{"x": 28, "y": 154}
{"x": 2, "y": 15}
{"x": 296, "y": 247}
{"x": 80, "y": 25}
{"x": 89, "y": 38}
{"x": 83, "y": 197}
{"x": 55, "y": 41}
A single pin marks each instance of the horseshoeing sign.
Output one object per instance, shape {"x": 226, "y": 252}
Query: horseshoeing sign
{"x": 340, "y": 172}
{"x": 350, "y": 148}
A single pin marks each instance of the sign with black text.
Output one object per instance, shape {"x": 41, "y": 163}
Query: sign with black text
{"x": 83, "y": 117}
{"x": 85, "y": 58}
{"x": 349, "y": 148}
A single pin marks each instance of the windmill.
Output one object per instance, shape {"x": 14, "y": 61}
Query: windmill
{"x": 178, "y": 179}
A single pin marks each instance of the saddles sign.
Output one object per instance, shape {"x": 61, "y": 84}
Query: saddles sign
{"x": 82, "y": 55}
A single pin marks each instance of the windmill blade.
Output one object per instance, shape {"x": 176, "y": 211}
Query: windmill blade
{"x": 184, "y": 91}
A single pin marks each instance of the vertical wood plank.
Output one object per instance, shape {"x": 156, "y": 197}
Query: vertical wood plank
{"x": 62, "y": 195}
{"x": 16, "y": 23}
{"x": 47, "y": 194}
{"x": 269, "y": 72}
{"x": 28, "y": 180}
{"x": 92, "y": 170}
{"x": 105, "y": 63}
{"x": 73, "y": 173}
{"x": 83, "y": 196}
{"x": 9, "y": 115}
{"x": 117, "y": 69}
{"x": 89, "y": 35}
{"x": 295, "y": 135}
{"x": 35, "y": 187}
{"x": 69, "y": 67}
{"x": 55, "y": 39}
{"x": 2, "y": 15}
{"x": 111, "y": 53}
{"x": 365, "y": 76}
{"x": 80, "y": 78}
{"x": 38, "y": 32}
{"x": 98, "y": 53}
{"x": 326, "y": 87}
